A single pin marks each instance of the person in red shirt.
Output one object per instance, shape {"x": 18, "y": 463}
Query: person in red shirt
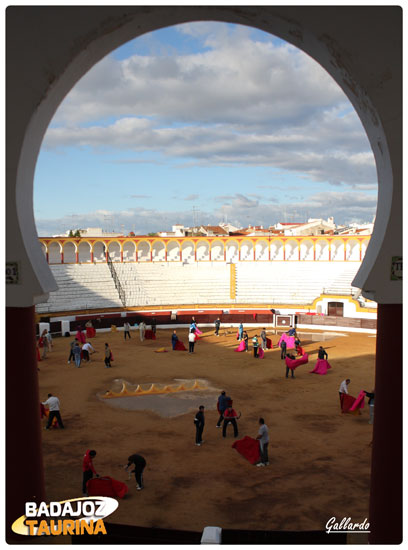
{"x": 230, "y": 416}
{"x": 88, "y": 469}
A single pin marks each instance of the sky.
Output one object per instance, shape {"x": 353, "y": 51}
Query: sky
{"x": 203, "y": 123}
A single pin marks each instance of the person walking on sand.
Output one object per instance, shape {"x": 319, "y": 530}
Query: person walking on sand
{"x": 126, "y": 329}
{"x": 240, "y": 331}
{"x": 139, "y": 463}
{"x": 45, "y": 343}
{"x": 263, "y": 437}
{"x": 343, "y": 390}
{"x": 322, "y": 354}
{"x": 371, "y": 396}
{"x": 191, "y": 341}
{"x": 217, "y": 325}
{"x": 174, "y": 340}
{"x": 53, "y": 404}
{"x": 199, "y": 422}
{"x": 88, "y": 470}
{"x": 108, "y": 356}
{"x": 255, "y": 345}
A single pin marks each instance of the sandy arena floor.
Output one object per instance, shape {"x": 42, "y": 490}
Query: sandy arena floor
{"x": 319, "y": 458}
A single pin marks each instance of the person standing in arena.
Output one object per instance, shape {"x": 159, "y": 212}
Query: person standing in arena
{"x": 108, "y": 356}
{"x": 263, "y": 438}
{"x": 217, "y": 325}
{"x": 322, "y": 354}
{"x": 54, "y": 411}
{"x": 263, "y": 338}
{"x": 191, "y": 341}
{"x": 139, "y": 463}
{"x": 255, "y": 345}
{"x": 126, "y": 329}
{"x": 222, "y": 405}
{"x": 230, "y": 417}
{"x": 88, "y": 470}
{"x": 199, "y": 422}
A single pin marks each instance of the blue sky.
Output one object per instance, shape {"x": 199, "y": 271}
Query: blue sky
{"x": 208, "y": 122}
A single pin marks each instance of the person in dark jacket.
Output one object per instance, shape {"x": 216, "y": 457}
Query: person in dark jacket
{"x": 199, "y": 422}
{"x": 283, "y": 349}
{"x": 174, "y": 340}
{"x": 246, "y": 339}
{"x": 263, "y": 338}
{"x": 139, "y": 463}
{"x": 321, "y": 354}
{"x": 222, "y": 405}
{"x": 217, "y": 325}
{"x": 371, "y": 396}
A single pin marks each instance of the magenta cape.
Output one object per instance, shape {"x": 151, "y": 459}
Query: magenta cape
{"x": 150, "y": 335}
{"x": 241, "y": 346}
{"x": 293, "y": 363}
{"x": 249, "y": 448}
{"x": 198, "y": 331}
{"x": 359, "y": 402}
{"x": 90, "y": 332}
{"x": 81, "y": 336}
{"x": 300, "y": 350}
{"x": 350, "y": 403}
{"x": 106, "y": 487}
{"x": 179, "y": 346}
{"x": 290, "y": 340}
{"x": 261, "y": 353}
{"x": 321, "y": 367}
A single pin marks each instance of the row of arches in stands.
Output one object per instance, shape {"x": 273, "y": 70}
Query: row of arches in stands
{"x": 57, "y": 252}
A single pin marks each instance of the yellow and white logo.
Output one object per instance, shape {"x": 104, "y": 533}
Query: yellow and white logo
{"x": 77, "y": 516}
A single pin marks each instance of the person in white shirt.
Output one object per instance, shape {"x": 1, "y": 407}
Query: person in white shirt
{"x": 126, "y": 328}
{"x": 54, "y": 408}
{"x": 263, "y": 437}
{"x": 87, "y": 349}
{"x": 343, "y": 386}
{"x": 191, "y": 341}
{"x": 142, "y": 330}
{"x": 343, "y": 390}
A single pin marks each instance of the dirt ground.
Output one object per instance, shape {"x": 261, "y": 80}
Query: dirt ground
{"x": 319, "y": 458}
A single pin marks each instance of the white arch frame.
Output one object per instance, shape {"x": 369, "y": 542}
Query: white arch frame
{"x": 277, "y": 250}
{"x": 99, "y": 252}
{"x": 143, "y": 251}
{"x": 129, "y": 251}
{"x": 261, "y": 250}
{"x": 337, "y": 251}
{"x": 306, "y": 250}
{"x": 54, "y": 258}
{"x": 217, "y": 251}
{"x": 232, "y": 254}
{"x": 292, "y": 250}
{"x": 203, "y": 251}
{"x": 187, "y": 252}
{"x": 173, "y": 251}
{"x": 84, "y": 252}
{"x": 114, "y": 250}
{"x": 159, "y": 251}
{"x": 95, "y": 45}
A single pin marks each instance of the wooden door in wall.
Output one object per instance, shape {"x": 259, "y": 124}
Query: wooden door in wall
{"x": 335, "y": 309}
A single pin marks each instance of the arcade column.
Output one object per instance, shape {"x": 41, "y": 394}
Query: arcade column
{"x": 385, "y": 515}
{"x": 24, "y": 465}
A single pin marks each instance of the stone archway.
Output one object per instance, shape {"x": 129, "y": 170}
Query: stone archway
{"x": 369, "y": 72}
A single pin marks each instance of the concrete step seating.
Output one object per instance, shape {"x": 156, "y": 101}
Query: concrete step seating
{"x": 167, "y": 283}
{"x": 292, "y": 283}
{"x": 81, "y": 286}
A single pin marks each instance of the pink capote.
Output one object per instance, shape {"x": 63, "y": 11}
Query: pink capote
{"x": 249, "y": 448}
{"x": 241, "y": 346}
{"x": 261, "y": 353}
{"x": 81, "y": 336}
{"x": 293, "y": 363}
{"x": 290, "y": 340}
{"x": 321, "y": 367}
{"x": 198, "y": 331}
{"x": 359, "y": 402}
